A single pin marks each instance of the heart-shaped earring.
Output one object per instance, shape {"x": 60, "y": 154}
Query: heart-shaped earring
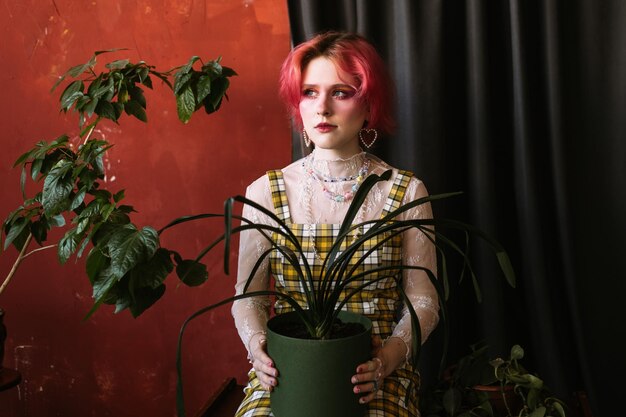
{"x": 307, "y": 141}
{"x": 368, "y": 137}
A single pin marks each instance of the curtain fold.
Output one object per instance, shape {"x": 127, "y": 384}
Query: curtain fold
{"x": 520, "y": 105}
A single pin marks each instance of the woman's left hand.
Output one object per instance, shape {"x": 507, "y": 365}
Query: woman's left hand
{"x": 371, "y": 374}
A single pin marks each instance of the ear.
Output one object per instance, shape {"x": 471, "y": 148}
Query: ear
{"x": 367, "y": 112}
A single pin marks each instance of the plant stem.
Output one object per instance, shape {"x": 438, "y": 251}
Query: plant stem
{"x": 17, "y": 263}
{"x": 90, "y": 132}
{"x": 39, "y": 249}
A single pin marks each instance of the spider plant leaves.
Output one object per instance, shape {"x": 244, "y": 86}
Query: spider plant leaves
{"x": 353, "y": 209}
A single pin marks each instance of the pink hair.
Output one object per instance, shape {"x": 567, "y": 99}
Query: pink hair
{"x": 352, "y": 54}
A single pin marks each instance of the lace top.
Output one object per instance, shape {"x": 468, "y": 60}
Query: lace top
{"x": 308, "y": 204}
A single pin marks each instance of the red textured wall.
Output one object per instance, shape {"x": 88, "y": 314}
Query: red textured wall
{"x": 114, "y": 365}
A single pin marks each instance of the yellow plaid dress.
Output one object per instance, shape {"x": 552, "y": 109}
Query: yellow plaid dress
{"x": 380, "y": 302}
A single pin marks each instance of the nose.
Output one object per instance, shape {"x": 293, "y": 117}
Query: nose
{"x": 323, "y": 107}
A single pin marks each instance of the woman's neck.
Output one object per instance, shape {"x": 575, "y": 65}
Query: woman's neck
{"x": 333, "y": 165}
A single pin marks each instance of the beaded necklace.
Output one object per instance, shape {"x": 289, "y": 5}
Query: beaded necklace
{"x": 307, "y": 165}
{"x": 321, "y": 179}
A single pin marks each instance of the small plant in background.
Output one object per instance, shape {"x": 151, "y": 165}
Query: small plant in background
{"x": 477, "y": 386}
{"x": 126, "y": 265}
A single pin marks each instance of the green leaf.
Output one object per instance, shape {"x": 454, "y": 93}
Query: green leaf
{"x": 57, "y": 188}
{"x": 39, "y": 230}
{"x": 517, "y": 352}
{"x": 452, "y": 401}
{"x": 118, "y": 196}
{"x": 136, "y": 94}
{"x": 134, "y": 108}
{"x": 105, "y": 280}
{"x": 96, "y": 263}
{"x": 185, "y": 105}
{"x": 153, "y": 272}
{"x": 191, "y": 272}
{"x": 559, "y": 408}
{"x": 118, "y": 64}
{"x": 35, "y": 168}
{"x": 67, "y": 246}
{"x": 144, "y": 298}
{"x": 16, "y": 229}
{"x": 228, "y": 72}
{"x": 187, "y": 67}
{"x": 213, "y": 68}
{"x": 78, "y": 198}
{"x": 213, "y": 102}
{"x": 106, "y": 110}
{"x": 71, "y": 93}
{"x": 203, "y": 88}
{"x": 181, "y": 82}
{"x": 90, "y": 108}
{"x": 129, "y": 247}
{"x": 57, "y": 221}
{"x": 539, "y": 412}
{"x": 142, "y": 73}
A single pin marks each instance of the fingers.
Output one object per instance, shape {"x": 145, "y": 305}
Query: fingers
{"x": 266, "y": 373}
{"x": 263, "y": 365}
{"x": 368, "y": 379}
{"x": 370, "y": 395}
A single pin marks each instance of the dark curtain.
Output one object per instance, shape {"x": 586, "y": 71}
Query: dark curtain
{"x": 520, "y": 104}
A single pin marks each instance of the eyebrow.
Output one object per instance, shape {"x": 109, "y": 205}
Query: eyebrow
{"x": 332, "y": 86}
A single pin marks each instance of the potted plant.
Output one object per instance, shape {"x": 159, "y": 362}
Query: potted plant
{"x": 483, "y": 387}
{"x": 324, "y": 294}
{"x": 126, "y": 264}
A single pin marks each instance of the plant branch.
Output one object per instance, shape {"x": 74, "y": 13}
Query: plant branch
{"x": 17, "y": 263}
{"x": 39, "y": 249}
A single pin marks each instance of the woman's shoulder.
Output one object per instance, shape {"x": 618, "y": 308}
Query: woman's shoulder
{"x": 379, "y": 166}
{"x": 263, "y": 182}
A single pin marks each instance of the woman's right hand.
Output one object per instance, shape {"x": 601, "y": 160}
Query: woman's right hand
{"x": 262, "y": 363}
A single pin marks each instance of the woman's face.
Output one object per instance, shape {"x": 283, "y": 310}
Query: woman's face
{"x": 331, "y": 114}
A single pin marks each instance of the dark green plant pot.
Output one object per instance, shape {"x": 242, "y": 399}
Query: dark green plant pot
{"x": 315, "y": 375}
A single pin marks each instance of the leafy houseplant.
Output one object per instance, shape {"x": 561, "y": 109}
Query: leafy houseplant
{"x": 323, "y": 293}
{"x": 483, "y": 387}
{"x": 126, "y": 264}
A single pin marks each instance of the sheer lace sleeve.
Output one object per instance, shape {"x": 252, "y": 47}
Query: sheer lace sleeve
{"x": 251, "y": 314}
{"x": 418, "y": 250}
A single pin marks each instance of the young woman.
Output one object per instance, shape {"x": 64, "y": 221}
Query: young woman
{"x": 338, "y": 91}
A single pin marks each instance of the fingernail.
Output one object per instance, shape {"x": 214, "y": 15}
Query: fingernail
{"x": 355, "y": 380}
{"x": 362, "y": 400}
{"x": 357, "y": 390}
{"x": 270, "y": 364}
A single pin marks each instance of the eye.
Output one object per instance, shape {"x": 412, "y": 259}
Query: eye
{"x": 343, "y": 94}
{"x": 309, "y": 92}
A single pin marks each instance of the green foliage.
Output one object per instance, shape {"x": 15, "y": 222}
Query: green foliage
{"x": 126, "y": 264}
{"x": 204, "y": 88}
{"x": 522, "y": 393}
{"x": 119, "y": 90}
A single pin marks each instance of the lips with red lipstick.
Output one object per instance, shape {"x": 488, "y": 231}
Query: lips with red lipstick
{"x": 324, "y": 127}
